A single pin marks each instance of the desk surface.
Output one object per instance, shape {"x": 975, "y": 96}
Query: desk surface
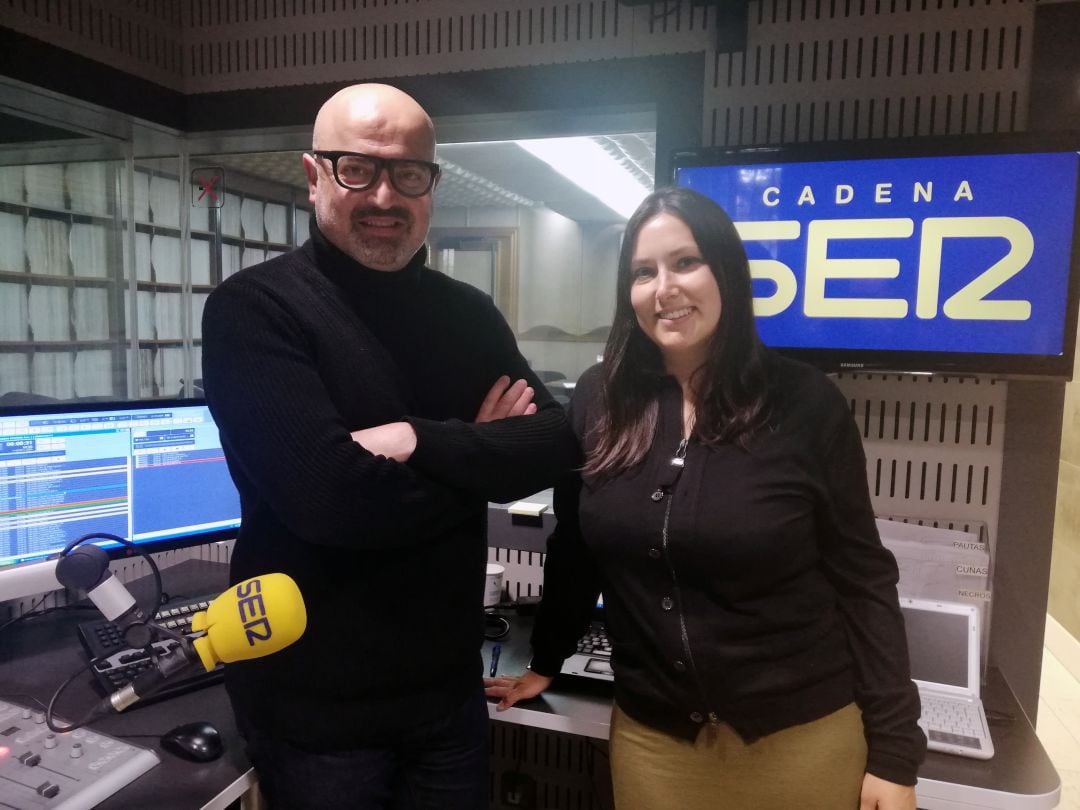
{"x": 39, "y": 654}
{"x": 1019, "y": 777}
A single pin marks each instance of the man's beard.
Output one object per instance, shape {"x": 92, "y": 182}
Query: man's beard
{"x": 384, "y": 251}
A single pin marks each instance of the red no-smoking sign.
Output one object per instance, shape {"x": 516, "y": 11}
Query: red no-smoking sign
{"x": 208, "y": 187}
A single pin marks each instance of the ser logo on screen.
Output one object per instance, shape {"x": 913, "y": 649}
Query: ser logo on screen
{"x": 969, "y": 302}
{"x": 963, "y": 253}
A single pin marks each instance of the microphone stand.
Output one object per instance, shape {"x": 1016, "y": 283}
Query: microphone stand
{"x": 85, "y": 567}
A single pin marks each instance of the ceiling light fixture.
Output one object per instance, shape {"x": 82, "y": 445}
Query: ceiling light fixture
{"x": 590, "y": 166}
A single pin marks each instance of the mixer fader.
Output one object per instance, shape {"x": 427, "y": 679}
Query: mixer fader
{"x": 70, "y": 771}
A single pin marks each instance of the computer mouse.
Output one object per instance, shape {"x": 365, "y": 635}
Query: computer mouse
{"x": 198, "y": 742}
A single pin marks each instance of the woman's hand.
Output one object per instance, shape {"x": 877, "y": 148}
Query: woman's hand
{"x": 511, "y": 690}
{"x": 877, "y": 794}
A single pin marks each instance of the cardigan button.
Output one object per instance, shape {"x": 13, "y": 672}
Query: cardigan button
{"x": 654, "y": 553}
{"x": 667, "y": 603}
{"x": 697, "y": 717}
{"x": 680, "y": 666}
{"x": 658, "y": 495}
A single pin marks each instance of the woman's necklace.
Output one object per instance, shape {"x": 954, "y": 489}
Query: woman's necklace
{"x": 689, "y": 417}
{"x": 679, "y": 459}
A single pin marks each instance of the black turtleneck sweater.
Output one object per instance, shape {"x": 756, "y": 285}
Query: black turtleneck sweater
{"x": 297, "y": 353}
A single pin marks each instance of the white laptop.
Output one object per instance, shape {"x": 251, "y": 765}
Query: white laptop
{"x": 593, "y": 657}
{"x": 943, "y": 644}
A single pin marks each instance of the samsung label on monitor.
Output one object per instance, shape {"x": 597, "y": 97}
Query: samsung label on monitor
{"x": 959, "y": 254}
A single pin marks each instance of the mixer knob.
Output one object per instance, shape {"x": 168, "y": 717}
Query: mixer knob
{"x": 50, "y": 741}
{"x": 39, "y": 716}
{"x": 76, "y": 750}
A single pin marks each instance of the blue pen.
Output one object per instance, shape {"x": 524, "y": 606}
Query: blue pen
{"x": 495, "y": 659}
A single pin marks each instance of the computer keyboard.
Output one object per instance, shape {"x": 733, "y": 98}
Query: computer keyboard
{"x": 595, "y": 641}
{"x": 115, "y": 664}
{"x": 951, "y": 720}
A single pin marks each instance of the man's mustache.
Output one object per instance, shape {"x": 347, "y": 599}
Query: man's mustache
{"x": 394, "y": 211}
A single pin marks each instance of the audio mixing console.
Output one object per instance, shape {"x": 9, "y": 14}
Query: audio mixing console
{"x": 74, "y": 770}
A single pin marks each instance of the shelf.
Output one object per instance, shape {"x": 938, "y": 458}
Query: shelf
{"x": 146, "y": 343}
{"x": 171, "y": 286}
{"x": 170, "y": 230}
{"x": 59, "y": 240}
{"x": 26, "y": 347}
{"x": 56, "y": 281}
{"x": 259, "y": 243}
{"x": 60, "y": 214}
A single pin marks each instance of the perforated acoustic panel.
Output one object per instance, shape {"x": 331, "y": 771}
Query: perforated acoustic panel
{"x": 934, "y": 445}
{"x": 562, "y": 771}
{"x": 817, "y": 70}
{"x": 141, "y": 37}
{"x": 238, "y": 44}
{"x": 524, "y": 574}
{"x": 811, "y": 69}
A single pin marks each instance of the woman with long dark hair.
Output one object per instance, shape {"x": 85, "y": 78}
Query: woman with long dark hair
{"x": 722, "y": 507}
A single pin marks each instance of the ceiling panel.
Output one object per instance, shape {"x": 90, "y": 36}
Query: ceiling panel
{"x": 498, "y": 173}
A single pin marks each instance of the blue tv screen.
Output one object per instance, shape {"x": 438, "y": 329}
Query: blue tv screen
{"x": 946, "y": 256}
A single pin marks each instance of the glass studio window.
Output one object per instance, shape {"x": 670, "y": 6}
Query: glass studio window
{"x": 61, "y": 281}
{"x": 107, "y": 256}
{"x": 102, "y": 291}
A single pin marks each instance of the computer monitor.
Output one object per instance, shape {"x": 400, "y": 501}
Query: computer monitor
{"x": 152, "y": 472}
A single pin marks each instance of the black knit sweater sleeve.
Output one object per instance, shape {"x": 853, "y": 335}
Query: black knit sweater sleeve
{"x": 507, "y": 458}
{"x": 287, "y": 442}
{"x": 864, "y": 574}
{"x": 572, "y": 580}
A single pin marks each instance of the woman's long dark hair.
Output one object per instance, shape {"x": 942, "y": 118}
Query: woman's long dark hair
{"x": 731, "y": 388}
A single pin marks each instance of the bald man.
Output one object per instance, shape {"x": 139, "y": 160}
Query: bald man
{"x": 382, "y": 228}
{"x": 367, "y": 414}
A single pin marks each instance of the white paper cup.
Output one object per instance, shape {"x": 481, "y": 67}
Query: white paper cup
{"x": 493, "y": 585}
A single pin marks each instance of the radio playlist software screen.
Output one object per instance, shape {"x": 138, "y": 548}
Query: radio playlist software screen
{"x": 140, "y": 473}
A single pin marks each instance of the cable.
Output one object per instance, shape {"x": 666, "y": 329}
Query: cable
{"x": 496, "y": 627}
{"x": 33, "y": 610}
{"x": 33, "y": 613}
{"x": 159, "y": 590}
{"x": 33, "y": 606}
{"x": 85, "y": 567}
{"x": 90, "y": 715}
{"x": 89, "y": 578}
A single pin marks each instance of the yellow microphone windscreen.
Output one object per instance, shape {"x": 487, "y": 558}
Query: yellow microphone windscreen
{"x": 256, "y": 617}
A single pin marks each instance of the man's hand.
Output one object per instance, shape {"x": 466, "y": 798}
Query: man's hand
{"x": 505, "y": 400}
{"x": 877, "y": 794}
{"x": 395, "y": 440}
{"x": 511, "y": 690}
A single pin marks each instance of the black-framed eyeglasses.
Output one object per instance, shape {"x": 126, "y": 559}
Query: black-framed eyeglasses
{"x": 359, "y": 172}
